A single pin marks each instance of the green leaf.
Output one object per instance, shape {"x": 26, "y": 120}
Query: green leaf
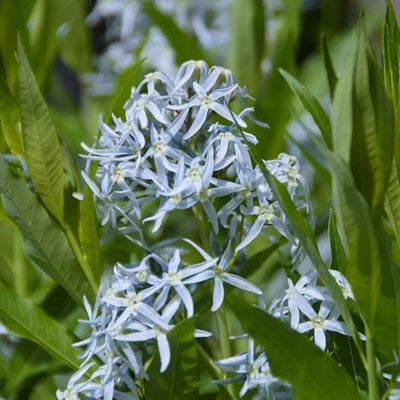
{"x": 392, "y": 202}
{"x": 45, "y": 243}
{"x": 330, "y": 69}
{"x": 181, "y": 380}
{"x": 25, "y": 319}
{"x": 387, "y": 322}
{"x": 342, "y": 110}
{"x": 372, "y": 142}
{"x": 391, "y": 65}
{"x": 41, "y": 145}
{"x": 364, "y": 267}
{"x": 311, "y": 105}
{"x": 390, "y": 50}
{"x": 185, "y": 45}
{"x": 247, "y": 42}
{"x": 313, "y": 374}
{"x": 363, "y": 123}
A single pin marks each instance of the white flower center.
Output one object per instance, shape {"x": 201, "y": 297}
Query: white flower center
{"x": 265, "y": 212}
{"x": 225, "y": 135}
{"x": 139, "y": 103}
{"x": 133, "y": 301}
{"x": 174, "y": 278}
{"x": 318, "y": 322}
{"x": 159, "y": 148}
{"x": 219, "y": 271}
{"x": 207, "y": 101}
{"x": 118, "y": 174}
{"x": 142, "y": 275}
{"x": 194, "y": 174}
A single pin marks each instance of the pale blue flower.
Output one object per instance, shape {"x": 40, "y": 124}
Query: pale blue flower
{"x": 175, "y": 277}
{"x": 219, "y": 274}
{"x": 298, "y": 298}
{"x": 253, "y": 368}
{"x": 321, "y": 322}
{"x": 203, "y": 102}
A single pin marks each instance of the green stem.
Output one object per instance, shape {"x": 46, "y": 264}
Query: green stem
{"x": 214, "y": 371}
{"x": 79, "y": 256}
{"x": 223, "y": 333}
{"x": 373, "y": 390}
{"x": 224, "y": 342}
{"x": 199, "y": 215}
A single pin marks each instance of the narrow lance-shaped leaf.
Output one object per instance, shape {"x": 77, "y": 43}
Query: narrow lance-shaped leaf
{"x": 387, "y": 321}
{"x": 342, "y": 110}
{"x": 25, "y": 319}
{"x": 390, "y": 52}
{"x": 391, "y": 65}
{"x": 392, "y": 201}
{"x": 45, "y": 242}
{"x": 41, "y": 145}
{"x": 313, "y": 374}
{"x": 372, "y": 138}
{"x": 330, "y": 69}
{"x": 364, "y": 267}
{"x": 311, "y": 104}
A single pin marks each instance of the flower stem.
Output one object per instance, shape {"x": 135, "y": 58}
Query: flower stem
{"x": 373, "y": 390}
{"x": 213, "y": 371}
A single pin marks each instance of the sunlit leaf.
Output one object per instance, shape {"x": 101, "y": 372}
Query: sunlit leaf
{"x": 364, "y": 267}
{"x": 392, "y": 201}
{"x": 391, "y": 65}
{"x": 313, "y": 374}
{"x": 390, "y": 50}
{"x": 311, "y": 104}
{"x": 387, "y": 322}
{"x": 41, "y": 145}
{"x": 45, "y": 242}
{"x": 363, "y": 123}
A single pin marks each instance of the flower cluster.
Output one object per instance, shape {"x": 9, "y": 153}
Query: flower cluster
{"x": 182, "y": 146}
{"x": 299, "y": 301}
{"x": 253, "y": 368}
